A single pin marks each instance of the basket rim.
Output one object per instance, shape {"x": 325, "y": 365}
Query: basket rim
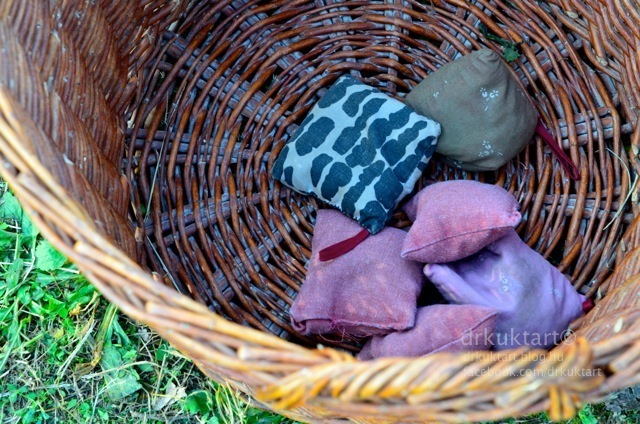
{"x": 301, "y": 382}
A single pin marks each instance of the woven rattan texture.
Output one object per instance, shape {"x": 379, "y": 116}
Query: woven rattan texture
{"x": 235, "y": 80}
{"x": 140, "y": 139}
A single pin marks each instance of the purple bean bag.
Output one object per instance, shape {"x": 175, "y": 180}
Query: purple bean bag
{"x": 439, "y": 328}
{"x": 536, "y": 302}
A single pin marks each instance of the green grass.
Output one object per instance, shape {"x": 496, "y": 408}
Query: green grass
{"x": 67, "y": 356}
{"x": 590, "y": 414}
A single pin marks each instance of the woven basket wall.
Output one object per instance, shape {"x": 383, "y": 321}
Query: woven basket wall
{"x": 140, "y": 140}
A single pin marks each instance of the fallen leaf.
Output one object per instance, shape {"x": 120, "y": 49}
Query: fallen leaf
{"x": 173, "y": 394}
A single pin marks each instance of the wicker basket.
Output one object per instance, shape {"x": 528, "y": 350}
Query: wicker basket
{"x": 139, "y": 137}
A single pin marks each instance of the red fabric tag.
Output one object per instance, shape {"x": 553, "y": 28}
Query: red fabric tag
{"x": 587, "y": 305}
{"x": 565, "y": 161}
{"x": 342, "y": 247}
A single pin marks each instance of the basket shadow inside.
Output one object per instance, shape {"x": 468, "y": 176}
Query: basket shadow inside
{"x": 234, "y": 82}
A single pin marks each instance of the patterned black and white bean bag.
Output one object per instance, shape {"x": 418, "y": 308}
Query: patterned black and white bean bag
{"x": 359, "y": 150}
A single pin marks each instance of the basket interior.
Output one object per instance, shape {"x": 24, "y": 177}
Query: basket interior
{"x": 235, "y": 78}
